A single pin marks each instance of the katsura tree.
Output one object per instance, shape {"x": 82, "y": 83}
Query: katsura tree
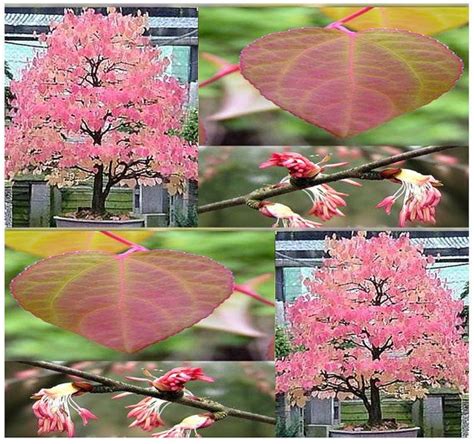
{"x": 97, "y": 104}
{"x": 375, "y": 320}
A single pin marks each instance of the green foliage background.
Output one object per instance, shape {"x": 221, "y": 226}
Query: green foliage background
{"x": 248, "y": 254}
{"x": 225, "y": 31}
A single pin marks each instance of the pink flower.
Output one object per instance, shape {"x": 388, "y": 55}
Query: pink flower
{"x": 420, "y": 196}
{"x": 175, "y": 379}
{"x": 326, "y": 201}
{"x": 187, "y": 426}
{"x": 147, "y": 413}
{"x": 52, "y": 409}
{"x": 288, "y": 218}
{"x": 298, "y": 165}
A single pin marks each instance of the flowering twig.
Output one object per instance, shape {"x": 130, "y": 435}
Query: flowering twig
{"x": 362, "y": 172}
{"x": 109, "y": 385}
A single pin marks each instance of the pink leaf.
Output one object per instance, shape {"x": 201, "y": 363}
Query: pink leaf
{"x": 125, "y": 302}
{"x": 348, "y": 82}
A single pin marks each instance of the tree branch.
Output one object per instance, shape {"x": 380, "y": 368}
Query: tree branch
{"x": 363, "y": 172}
{"x": 118, "y": 386}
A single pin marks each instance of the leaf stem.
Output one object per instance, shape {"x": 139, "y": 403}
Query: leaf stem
{"x": 360, "y": 172}
{"x": 226, "y": 70}
{"x": 133, "y": 245}
{"x": 350, "y": 17}
{"x": 118, "y": 386}
{"x": 249, "y": 292}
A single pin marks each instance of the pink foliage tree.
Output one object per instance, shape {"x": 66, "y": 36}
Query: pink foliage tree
{"x": 375, "y": 320}
{"x": 98, "y": 104}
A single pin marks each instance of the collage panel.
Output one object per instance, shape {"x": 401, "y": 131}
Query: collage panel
{"x": 290, "y": 75}
{"x": 102, "y": 116}
{"x": 166, "y": 295}
{"x": 340, "y": 186}
{"x": 248, "y": 385}
{"x": 372, "y": 333}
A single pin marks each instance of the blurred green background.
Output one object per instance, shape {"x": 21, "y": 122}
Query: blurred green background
{"x": 242, "y": 385}
{"x": 227, "y": 172}
{"x": 224, "y": 32}
{"x": 247, "y": 253}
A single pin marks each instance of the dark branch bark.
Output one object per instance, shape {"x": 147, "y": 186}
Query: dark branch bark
{"x": 375, "y": 410}
{"x": 98, "y": 193}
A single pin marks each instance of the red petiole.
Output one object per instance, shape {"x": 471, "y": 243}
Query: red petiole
{"x": 226, "y": 70}
{"x": 249, "y": 292}
{"x": 133, "y": 245}
{"x": 350, "y": 17}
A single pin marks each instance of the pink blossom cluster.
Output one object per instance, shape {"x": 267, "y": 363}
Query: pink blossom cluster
{"x": 188, "y": 426}
{"x": 326, "y": 201}
{"x": 147, "y": 413}
{"x": 298, "y": 165}
{"x": 53, "y": 409}
{"x": 420, "y": 196}
{"x": 420, "y": 192}
{"x": 175, "y": 379}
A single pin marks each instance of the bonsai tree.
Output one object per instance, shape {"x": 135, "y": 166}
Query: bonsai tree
{"x": 97, "y": 104}
{"x": 375, "y": 320}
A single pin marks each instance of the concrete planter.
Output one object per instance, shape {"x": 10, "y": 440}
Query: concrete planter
{"x": 67, "y": 222}
{"x": 402, "y": 433}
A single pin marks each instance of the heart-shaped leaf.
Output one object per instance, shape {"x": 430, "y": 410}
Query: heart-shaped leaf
{"x": 346, "y": 82}
{"x": 423, "y": 20}
{"x": 125, "y": 302}
{"x": 48, "y": 243}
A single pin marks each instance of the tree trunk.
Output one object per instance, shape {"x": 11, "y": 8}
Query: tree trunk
{"x": 375, "y": 410}
{"x": 98, "y": 195}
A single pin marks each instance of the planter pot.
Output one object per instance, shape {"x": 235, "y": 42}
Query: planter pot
{"x": 402, "y": 433}
{"x": 67, "y": 222}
